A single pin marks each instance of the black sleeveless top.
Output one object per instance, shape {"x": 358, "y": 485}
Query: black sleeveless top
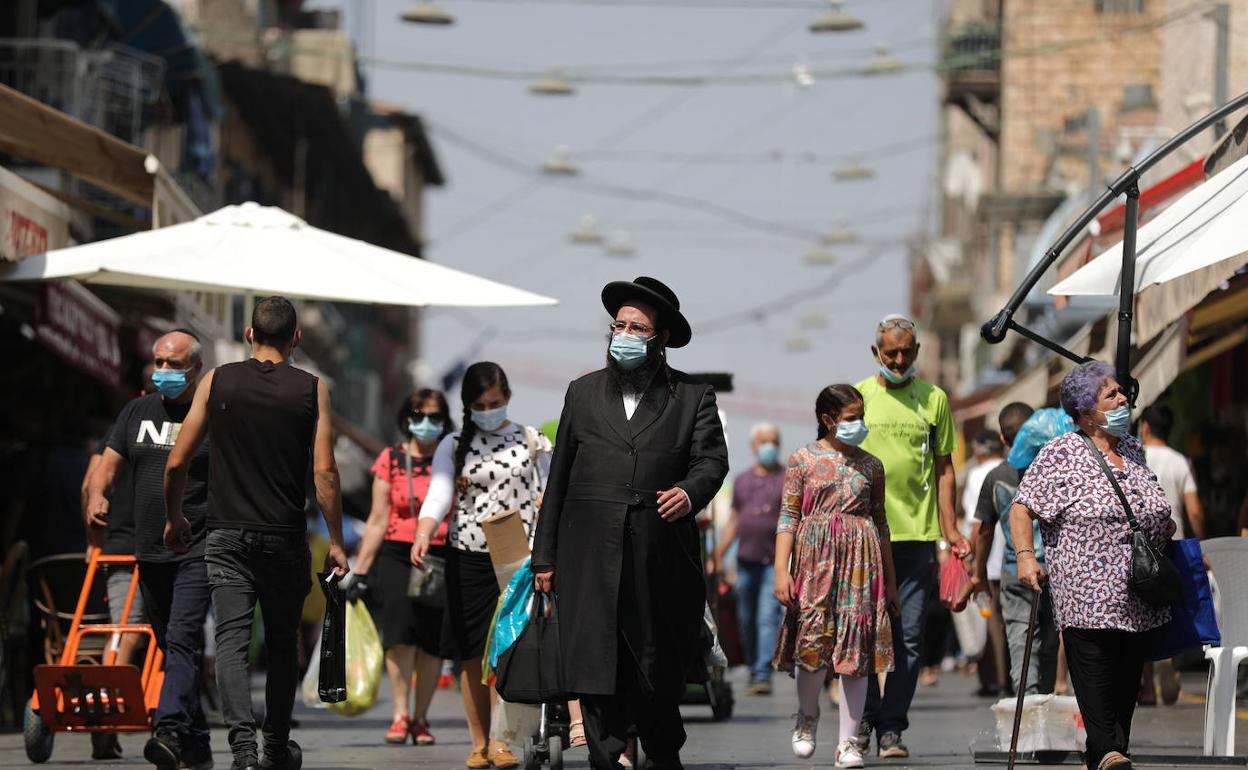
{"x": 262, "y": 419}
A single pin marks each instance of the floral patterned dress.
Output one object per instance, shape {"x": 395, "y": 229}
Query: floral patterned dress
{"x": 1087, "y": 540}
{"x": 833, "y": 504}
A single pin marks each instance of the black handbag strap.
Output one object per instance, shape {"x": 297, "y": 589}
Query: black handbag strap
{"x": 1109, "y": 474}
{"x": 411, "y": 492}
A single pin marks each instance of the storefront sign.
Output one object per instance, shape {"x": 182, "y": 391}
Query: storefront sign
{"x": 73, "y": 323}
{"x": 31, "y": 221}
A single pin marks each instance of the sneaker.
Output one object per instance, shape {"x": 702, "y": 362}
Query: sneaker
{"x": 891, "y": 747}
{"x": 863, "y": 739}
{"x": 163, "y": 750}
{"x": 804, "y": 735}
{"x": 105, "y": 746}
{"x": 761, "y": 687}
{"x": 848, "y": 755}
{"x": 196, "y": 756}
{"x": 290, "y": 759}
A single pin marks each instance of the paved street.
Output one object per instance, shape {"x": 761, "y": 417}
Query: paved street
{"x": 947, "y": 722}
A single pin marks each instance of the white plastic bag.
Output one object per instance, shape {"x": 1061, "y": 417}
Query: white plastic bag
{"x": 1050, "y": 723}
{"x": 311, "y": 678}
{"x": 972, "y": 631}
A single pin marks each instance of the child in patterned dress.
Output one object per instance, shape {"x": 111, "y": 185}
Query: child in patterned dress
{"x": 841, "y": 587}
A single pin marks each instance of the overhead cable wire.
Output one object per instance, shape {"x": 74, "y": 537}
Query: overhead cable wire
{"x": 694, "y": 80}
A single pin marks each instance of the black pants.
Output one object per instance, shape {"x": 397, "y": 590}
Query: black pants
{"x": 275, "y": 569}
{"x": 175, "y": 595}
{"x": 610, "y": 718}
{"x": 1105, "y": 667}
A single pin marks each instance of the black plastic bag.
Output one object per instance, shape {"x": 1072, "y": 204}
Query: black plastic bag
{"x": 531, "y": 671}
{"x": 332, "y": 685}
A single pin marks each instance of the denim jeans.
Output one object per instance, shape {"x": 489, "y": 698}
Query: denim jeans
{"x": 915, "y": 563}
{"x": 176, "y": 597}
{"x": 759, "y": 615}
{"x": 275, "y": 569}
{"x": 1016, "y": 599}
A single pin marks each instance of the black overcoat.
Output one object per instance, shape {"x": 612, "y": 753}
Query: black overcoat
{"x": 600, "y": 507}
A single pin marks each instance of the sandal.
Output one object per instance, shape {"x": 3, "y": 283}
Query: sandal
{"x": 420, "y": 733}
{"x": 576, "y": 734}
{"x": 502, "y": 758}
{"x": 398, "y": 730}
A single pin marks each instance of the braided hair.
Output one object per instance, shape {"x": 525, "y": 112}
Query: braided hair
{"x": 479, "y": 378}
{"x": 831, "y": 401}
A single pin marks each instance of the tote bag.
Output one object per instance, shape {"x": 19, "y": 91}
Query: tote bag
{"x": 530, "y": 671}
{"x": 1192, "y": 620}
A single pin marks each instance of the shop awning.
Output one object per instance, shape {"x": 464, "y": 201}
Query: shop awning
{"x": 1183, "y": 254}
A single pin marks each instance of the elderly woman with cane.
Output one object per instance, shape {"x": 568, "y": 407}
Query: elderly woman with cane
{"x": 1072, "y": 488}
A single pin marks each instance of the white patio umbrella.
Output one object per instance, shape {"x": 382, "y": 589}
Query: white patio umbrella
{"x": 257, "y": 250}
{"x": 1183, "y": 254}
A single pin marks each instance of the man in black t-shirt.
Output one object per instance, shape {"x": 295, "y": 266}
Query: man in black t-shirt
{"x": 174, "y": 584}
{"x": 269, "y": 423}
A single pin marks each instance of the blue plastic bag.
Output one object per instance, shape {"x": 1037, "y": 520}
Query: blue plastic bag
{"x": 1192, "y": 619}
{"x": 1043, "y": 426}
{"x": 513, "y": 613}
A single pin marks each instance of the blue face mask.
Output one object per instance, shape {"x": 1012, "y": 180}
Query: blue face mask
{"x": 1117, "y": 421}
{"x": 768, "y": 454}
{"x": 170, "y": 382}
{"x": 628, "y": 350}
{"x": 490, "y": 419}
{"x": 424, "y": 431}
{"x": 852, "y": 432}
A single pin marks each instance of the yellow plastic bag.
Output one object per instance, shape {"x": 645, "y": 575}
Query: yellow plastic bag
{"x": 364, "y": 662}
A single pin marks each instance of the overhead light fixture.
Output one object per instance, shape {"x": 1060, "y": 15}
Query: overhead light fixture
{"x": 425, "y": 12}
{"x": 814, "y": 320}
{"x": 620, "y": 245}
{"x": 587, "y": 231}
{"x": 853, "y": 172}
{"x": 884, "y": 63}
{"x": 553, "y": 83}
{"x": 803, "y": 74}
{"x": 835, "y": 20}
{"x": 821, "y": 258}
{"x": 797, "y": 344}
{"x": 837, "y": 236}
{"x": 560, "y": 163}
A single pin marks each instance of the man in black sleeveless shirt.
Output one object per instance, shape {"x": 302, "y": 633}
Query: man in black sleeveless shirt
{"x": 268, "y": 422}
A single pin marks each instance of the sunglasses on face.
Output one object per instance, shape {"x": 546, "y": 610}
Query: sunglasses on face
{"x": 437, "y": 418}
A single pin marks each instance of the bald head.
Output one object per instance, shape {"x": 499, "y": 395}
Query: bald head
{"x": 178, "y": 346}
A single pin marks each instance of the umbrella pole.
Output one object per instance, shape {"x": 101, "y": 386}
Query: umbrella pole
{"x": 1126, "y": 294}
{"x": 249, "y": 306}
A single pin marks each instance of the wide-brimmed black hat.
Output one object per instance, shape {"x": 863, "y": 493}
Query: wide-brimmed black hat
{"x": 656, "y": 295}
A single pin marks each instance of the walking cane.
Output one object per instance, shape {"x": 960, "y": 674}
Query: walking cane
{"x": 1022, "y": 679}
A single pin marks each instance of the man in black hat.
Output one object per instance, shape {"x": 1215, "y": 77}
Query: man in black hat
{"x": 640, "y": 448}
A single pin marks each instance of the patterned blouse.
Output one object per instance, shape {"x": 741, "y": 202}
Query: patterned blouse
{"x": 1087, "y": 539}
{"x": 502, "y": 476}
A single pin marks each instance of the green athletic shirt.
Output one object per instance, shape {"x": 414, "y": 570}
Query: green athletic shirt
{"x": 902, "y": 422}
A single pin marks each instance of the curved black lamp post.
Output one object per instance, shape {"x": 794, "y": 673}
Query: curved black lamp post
{"x": 994, "y": 330}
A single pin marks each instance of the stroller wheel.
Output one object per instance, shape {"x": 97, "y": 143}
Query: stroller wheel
{"x": 37, "y": 737}
{"x": 531, "y": 759}
{"x": 556, "y": 752}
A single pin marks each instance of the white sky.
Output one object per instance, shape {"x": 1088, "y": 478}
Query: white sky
{"x": 499, "y": 218}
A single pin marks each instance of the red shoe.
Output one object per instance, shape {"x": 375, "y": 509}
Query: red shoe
{"x": 420, "y": 733}
{"x": 398, "y": 731}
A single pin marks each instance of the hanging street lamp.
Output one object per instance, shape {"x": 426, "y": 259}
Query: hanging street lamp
{"x": 553, "y": 83}
{"x": 587, "y": 231}
{"x": 853, "y": 172}
{"x": 425, "y": 12}
{"x": 884, "y": 63}
{"x": 561, "y": 163}
{"x": 835, "y": 20}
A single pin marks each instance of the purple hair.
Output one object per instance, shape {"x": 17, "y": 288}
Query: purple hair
{"x": 1082, "y": 387}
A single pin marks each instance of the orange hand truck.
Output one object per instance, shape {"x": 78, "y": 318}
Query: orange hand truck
{"x": 104, "y": 696}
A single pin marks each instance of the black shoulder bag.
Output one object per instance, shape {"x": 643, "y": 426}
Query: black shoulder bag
{"x": 1152, "y": 575}
{"x": 425, "y": 585}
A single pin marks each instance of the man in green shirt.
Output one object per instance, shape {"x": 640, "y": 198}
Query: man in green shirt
{"x": 912, "y": 434}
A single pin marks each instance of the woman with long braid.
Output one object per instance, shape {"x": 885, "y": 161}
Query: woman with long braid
{"x": 489, "y": 467}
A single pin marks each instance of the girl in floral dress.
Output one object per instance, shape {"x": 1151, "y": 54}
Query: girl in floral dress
{"x": 841, "y": 587}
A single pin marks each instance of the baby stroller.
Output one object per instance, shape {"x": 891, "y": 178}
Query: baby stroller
{"x": 711, "y": 687}
{"x": 548, "y": 741}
